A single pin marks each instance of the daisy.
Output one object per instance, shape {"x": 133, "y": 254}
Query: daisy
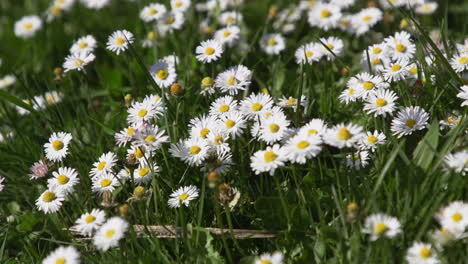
{"x": 381, "y": 225}
{"x": 223, "y": 105}
{"x": 138, "y": 153}
{"x": 207, "y": 86}
{"x": 124, "y": 174}
{"x": 119, "y": 41}
{"x": 209, "y": 50}
{"x": 372, "y": 140}
{"x": 201, "y": 126}
{"x": 157, "y": 103}
{"x": 172, "y": 60}
{"x": 125, "y": 135}
{"x": 77, "y": 61}
{"x": 234, "y": 79}
{"x": 342, "y": 135}
{"x": 273, "y": 128}
{"x": 232, "y": 123}
{"x": 349, "y": 95}
{"x": 163, "y": 74}
{"x": 308, "y": 53}
{"x": 140, "y": 113}
{"x": 314, "y": 127}
{"x": 104, "y": 165}
{"x": 268, "y": 160}
{"x": 95, "y": 4}
{"x": 7, "y": 80}
{"x": 68, "y": 255}
{"x": 324, "y": 16}
{"x": 380, "y": 102}
{"x": 90, "y": 222}
{"x": 64, "y": 180}
{"x": 454, "y": 217}
{"x": 150, "y": 137}
{"x": 400, "y": 46}
{"x": 228, "y": 35}
{"x": 50, "y": 201}
{"x": 357, "y": 160}
{"x": 85, "y": 44}
{"x": 234, "y": 198}
{"x": 28, "y": 26}
{"x": 193, "y": 151}
{"x": 144, "y": 173}
{"x": 57, "y": 148}
{"x": 219, "y": 162}
{"x": 180, "y": 5}
{"x": 365, "y": 19}
{"x": 421, "y": 253}
{"x": 230, "y": 18}
{"x": 451, "y": 121}
{"x": 343, "y": 3}
{"x": 272, "y": 44}
{"x": 270, "y": 258}
{"x": 170, "y": 21}
{"x": 302, "y": 147}
{"x": 331, "y": 47}
{"x": 463, "y": 94}
{"x": 408, "y": 120}
{"x": 255, "y": 105}
{"x": 291, "y": 102}
{"x": 183, "y": 195}
{"x": 152, "y": 12}
{"x": 426, "y": 8}
{"x": 110, "y": 233}
{"x": 104, "y": 182}
{"x": 53, "y": 97}
{"x": 396, "y": 71}
{"x": 457, "y": 161}
{"x": 39, "y": 169}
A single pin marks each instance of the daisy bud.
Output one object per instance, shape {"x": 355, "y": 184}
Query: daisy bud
{"x": 139, "y": 192}
{"x": 272, "y": 12}
{"x": 10, "y": 218}
{"x": 352, "y": 210}
{"x": 344, "y": 71}
{"x": 207, "y": 82}
{"x": 213, "y": 177}
{"x": 264, "y": 91}
{"x": 208, "y": 30}
{"x": 128, "y": 100}
{"x": 176, "y": 89}
{"x": 107, "y": 200}
{"x": 123, "y": 209}
{"x": 388, "y": 18}
{"x": 225, "y": 193}
{"x": 132, "y": 162}
{"x": 371, "y": 4}
{"x": 58, "y": 73}
{"x": 404, "y": 23}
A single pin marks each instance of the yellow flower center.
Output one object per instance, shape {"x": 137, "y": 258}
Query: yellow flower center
{"x": 209, "y": 51}
{"x": 139, "y": 153}
{"x": 270, "y": 156}
{"x": 274, "y": 128}
{"x": 89, "y": 219}
{"x": 105, "y": 182}
{"x": 312, "y": 131}
{"x": 380, "y": 228}
{"x": 57, "y": 145}
{"x": 351, "y": 91}
{"x": 232, "y": 80}
{"x": 150, "y": 35}
{"x": 400, "y": 48}
{"x": 120, "y": 41}
{"x": 183, "y": 196}
{"x": 302, "y": 144}
{"x": 272, "y": 42}
{"x": 380, "y": 102}
{"x": 226, "y": 33}
{"x": 265, "y": 261}
{"x": 368, "y": 85}
{"x": 463, "y": 60}
{"x": 376, "y": 50}
{"x": 396, "y": 67}
{"x": 309, "y": 54}
{"x": 457, "y": 217}
{"x": 372, "y": 139}
{"x": 178, "y": 4}
{"x": 152, "y": 11}
{"x": 367, "y": 18}
{"x": 410, "y": 123}
{"x": 230, "y": 20}
{"x": 170, "y": 20}
{"x": 195, "y": 150}
{"x": 344, "y": 134}
{"x": 219, "y": 140}
{"x": 79, "y": 62}
{"x": 61, "y": 261}
{"x": 330, "y": 46}
{"x": 62, "y": 179}
{"x": 257, "y": 107}
{"x": 83, "y": 44}
{"x": 291, "y": 101}
{"x": 101, "y": 165}
{"x": 204, "y": 132}
{"x": 224, "y": 108}
{"x": 49, "y": 197}
{"x": 376, "y": 62}
{"x": 143, "y": 172}
{"x": 130, "y": 131}
{"x": 425, "y": 253}
{"x": 414, "y": 70}
{"x": 450, "y": 120}
{"x": 142, "y": 113}
{"x": 150, "y": 138}
{"x": 110, "y": 233}
{"x": 162, "y": 74}
{"x": 207, "y": 81}
{"x": 230, "y": 123}
{"x": 325, "y": 13}
{"x": 28, "y": 26}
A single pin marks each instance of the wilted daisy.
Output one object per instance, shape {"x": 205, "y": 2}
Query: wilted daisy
{"x": 28, "y": 26}
{"x": 209, "y": 50}
{"x": 324, "y": 16}
{"x": 397, "y": 71}
{"x": 104, "y": 165}
{"x": 232, "y": 123}
{"x": 119, "y": 41}
{"x": 95, "y": 4}
{"x": 268, "y": 160}
{"x": 332, "y": 47}
{"x": 457, "y": 161}
{"x": 104, "y": 182}
{"x": 357, "y": 160}
{"x": 272, "y": 44}
{"x": 223, "y": 105}
{"x": 193, "y": 151}
{"x": 57, "y": 147}
{"x": 150, "y": 137}
{"x": 163, "y": 74}
{"x": 50, "y": 200}
{"x": 144, "y": 173}
{"x": 302, "y": 147}
{"x": 273, "y": 128}
{"x": 408, "y": 120}
{"x": 234, "y": 79}
{"x": 63, "y": 255}
{"x": 256, "y": 104}
{"x": 152, "y": 12}
{"x": 39, "y": 169}
{"x": 90, "y": 222}
{"x": 64, "y": 180}
{"x": 270, "y": 258}
{"x": 342, "y": 135}
{"x": 183, "y": 195}
{"x": 228, "y": 35}
{"x": 372, "y": 140}
{"x": 381, "y": 102}
{"x": 421, "y": 253}
{"x": 109, "y": 234}
{"x": 308, "y": 53}
{"x": 463, "y": 94}
{"x": 77, "y": 61}
{"x": 454, "y": 217}
{"x": 84, "y": 44}
{"x": 381, "y": 225}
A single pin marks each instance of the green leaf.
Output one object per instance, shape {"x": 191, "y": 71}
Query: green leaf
{"x": 426, "y": 149}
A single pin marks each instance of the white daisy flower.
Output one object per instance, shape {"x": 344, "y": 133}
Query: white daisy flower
{"x": 201, "y": 126}
{"x": 62, "y": 255}
{"x": 57, "y": 147}
{"x": 272, "y": 44}
{"x": 273, "y": 128}
{"x": 342, "y": 135}
{"x": 228, "y": 35}
{"x": 270, "y": 258}
{"x": 454, "y": 217}
{"x": 50, "y": 201}
{"x": 119, "y": 41}
{"x": 84, "y": 44}
{"x": 144, "y": 173}
{"x": 302, "y": 147}
{"x": 152, "y": 12}
{"x": 457, "y": 161}
{"x": 232, "y": 123}
{"x": 357, "y": 160}
{"x": 7, "y": 80}
{"x": 396, "y": 71}
{"x": 308, "y": 53}
{"x": 207, "y": 86}
{"x": 223, "y": 105}
{"x": 104, "y": 165}
{"x": 234, "y": 79}
{"x": 63, "y": 180}
{"x": 140, "y": 113}
{"x": 110, "y": 233}
{"x": 372, "y": 140}
{"x": 349, "y": 95}
{"x": 90, "y": 222}
{"x": 230, "y": 18}
{"x": 125, "y": 135}
{"x": 77, "y": 61}
{"x": 381, "y": 225}
{"x": 426, "y": 8}
{"x": 333, "y": 44}
{"x": 170, "y": 22}
{"x": 268, "y": 160}
{"x": 314, "y": 127}
{"x": 163, "y": 74}
{"x": 193, "y": 151}
{"x": 324, "y": 16}
{"x": 209, "y": 50}
{"x": 408, "y": 120}
{"x": 104, "y": 182}
{"x": 139, "y": 153}
{"x": 421, "y": 253}
{"x": 28, "y": 26}
{"x": 451, "y": 121}
{"x": 400, "y": 46}
{"x": 463, "y": 94}
{"x": 365, "y": 19}
{"x": 343, "y": 3}
{"x": 291, "y": 102}
{"x": 256, "y": 105}
{"x": 180, "y": 5}
{"x": 124, "y": 174}
{"x": 183, "y": 196}
{"x": 150, "y": 137}
{"x": 53, "y": 97}
{"x": 380, "y": 102}
{"x": 95, "y": 4}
